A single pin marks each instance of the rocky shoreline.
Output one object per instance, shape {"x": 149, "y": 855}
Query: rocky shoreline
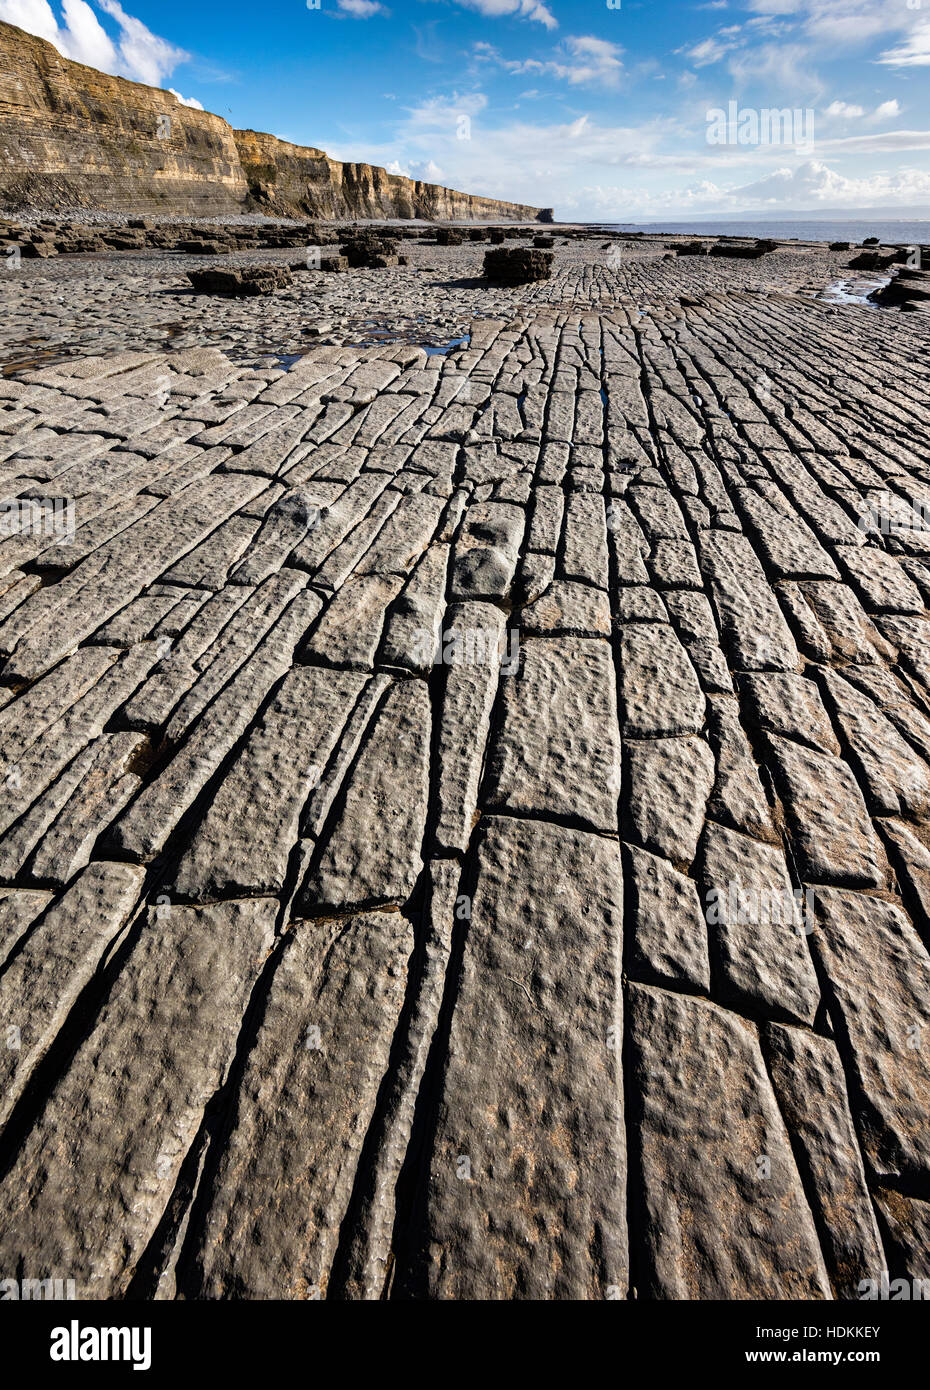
{"x": 136, "y": 300}
{"x": 466, "y": 755}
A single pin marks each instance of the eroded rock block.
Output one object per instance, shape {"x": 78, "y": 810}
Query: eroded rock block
{"x": 517, "y": 266}
{"x": 253, "y": 280}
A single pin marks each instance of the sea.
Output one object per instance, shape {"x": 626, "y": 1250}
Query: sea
{"x": 886, "y": 231}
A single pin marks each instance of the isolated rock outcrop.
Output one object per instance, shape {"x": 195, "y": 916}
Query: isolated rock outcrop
{"x": 517, "y": 265}
{"x": 909, "y": 287}
{"x": 257, "y": 279}
{"x": 333, "y": 264}
{"x": 741, "y": 251}
{"x": 369, "y": 251}
{"x": 873, "y": 260}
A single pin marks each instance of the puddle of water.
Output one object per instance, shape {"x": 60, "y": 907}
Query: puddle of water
{"x": 35, "y": 361}
{"x": 447, "y": 347}
{"x": 854, "y": 290}
{"x": 408, "y": 331}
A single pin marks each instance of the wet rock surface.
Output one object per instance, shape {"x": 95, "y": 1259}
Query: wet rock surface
{"x": 465, "y": 820}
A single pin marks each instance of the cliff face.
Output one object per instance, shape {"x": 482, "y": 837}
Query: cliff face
{"x": 293, "y": 179}
{"x": 74, "y": 137}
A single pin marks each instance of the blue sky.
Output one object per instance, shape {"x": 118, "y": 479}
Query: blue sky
{"x": 598, "y": 109}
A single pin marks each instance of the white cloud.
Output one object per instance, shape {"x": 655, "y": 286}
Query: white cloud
{"x": 913, "y": 53}
{"x": 137, "y": 53}
{"x": 88, "y": 41}
{"x": 887, "y": 142}
{"x": 810, "y": 187}
{"x": 657, "y": 167}
{"x": 708, "y": 51}
{"x": 581, "y": 60}
{"x": 783, "y": 68}
{"x": 81, "y": 38}
{"x": 886, "y": 111}
{"x": 361, "y": 9}
{"x": 427, "y": 171}
{"x": 35, "y": 16}
{"x": 590, "y": 60}
{"x": 829, "y": 25}
{"x": 814, "y": 183}
{"x": 444, "y": 113}
{"x": 770, "y": 7}
{"x": 842, "y": 108}
{"x": 519, "y": 9}
{"x": 186, "y": 101}
{"x": 522, "y": 161}
{"x": 145, "y": 56}
{"x": 843, "y": 26}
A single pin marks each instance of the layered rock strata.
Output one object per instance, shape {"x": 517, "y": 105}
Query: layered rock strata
{"x": 73, "y": 137}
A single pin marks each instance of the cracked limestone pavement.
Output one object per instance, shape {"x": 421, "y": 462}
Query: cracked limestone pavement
{"x": 465, "y": 821}
{"x": 92, "y": 303}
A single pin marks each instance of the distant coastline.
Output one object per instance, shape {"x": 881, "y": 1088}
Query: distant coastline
{"x": 853, "y": 229}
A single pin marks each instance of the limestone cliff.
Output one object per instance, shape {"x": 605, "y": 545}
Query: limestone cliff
{"x": 71, "y": 137}
{"x": 74, "y": 137}
{"x": 288, "y": 179}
